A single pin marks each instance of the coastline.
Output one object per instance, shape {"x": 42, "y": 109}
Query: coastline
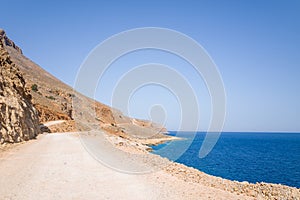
{"x": 156, "y": 141}
{"x": 57, "y": 166}
{"x": 176, "y": 181}
{"x": 188, "y": 174}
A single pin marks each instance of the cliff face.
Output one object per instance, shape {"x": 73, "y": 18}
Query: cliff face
{"x": 18, "y": 117}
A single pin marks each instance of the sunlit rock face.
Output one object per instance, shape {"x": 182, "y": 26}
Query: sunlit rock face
{"x": 18, "y": 117}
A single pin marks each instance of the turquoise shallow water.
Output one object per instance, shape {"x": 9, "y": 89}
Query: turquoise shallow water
{"x": 252, "y": 157}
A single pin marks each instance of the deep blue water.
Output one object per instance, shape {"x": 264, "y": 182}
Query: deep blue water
{"x": 252, "y": 157}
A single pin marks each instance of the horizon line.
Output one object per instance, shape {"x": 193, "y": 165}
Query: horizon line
{"x": 236, "y": 131}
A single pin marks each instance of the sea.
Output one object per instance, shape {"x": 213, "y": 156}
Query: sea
{"x": 242, "y": 156}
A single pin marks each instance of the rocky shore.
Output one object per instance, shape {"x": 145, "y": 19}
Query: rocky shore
{"x": 191, "y": 175}
{"x": 258, "y": 191}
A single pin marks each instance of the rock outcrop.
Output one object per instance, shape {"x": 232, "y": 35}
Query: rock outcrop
{"x": 6, "y": 41}
{"x": 18, "y": 117}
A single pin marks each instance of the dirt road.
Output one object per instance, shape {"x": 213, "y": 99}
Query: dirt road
{"x": 56, "y": 166}
{"x": 51, "y": 123}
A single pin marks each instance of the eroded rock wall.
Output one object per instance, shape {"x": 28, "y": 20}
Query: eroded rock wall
{"x": 18, "y": 117}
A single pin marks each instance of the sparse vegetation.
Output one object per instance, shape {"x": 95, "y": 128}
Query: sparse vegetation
{"x": 50, "y": 97}
{"x": 34, "y": 88}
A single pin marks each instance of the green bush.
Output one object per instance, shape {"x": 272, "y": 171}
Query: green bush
{"x": 50, "y": 97}
{"x": 34, "y": 87}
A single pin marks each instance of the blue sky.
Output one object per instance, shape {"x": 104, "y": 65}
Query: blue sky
{"x": 255, "y": 45}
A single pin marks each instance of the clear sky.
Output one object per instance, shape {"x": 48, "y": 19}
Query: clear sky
{"x": 255, "y": 44}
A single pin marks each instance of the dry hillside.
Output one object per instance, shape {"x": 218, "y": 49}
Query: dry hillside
{"x": 53, "y": 100}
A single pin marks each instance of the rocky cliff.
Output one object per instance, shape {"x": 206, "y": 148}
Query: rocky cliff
{"x": 18, "y": 117}
{"x": 7, "y": 42}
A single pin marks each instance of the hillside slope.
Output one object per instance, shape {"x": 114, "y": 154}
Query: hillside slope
{"x": 53, "y": 100}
